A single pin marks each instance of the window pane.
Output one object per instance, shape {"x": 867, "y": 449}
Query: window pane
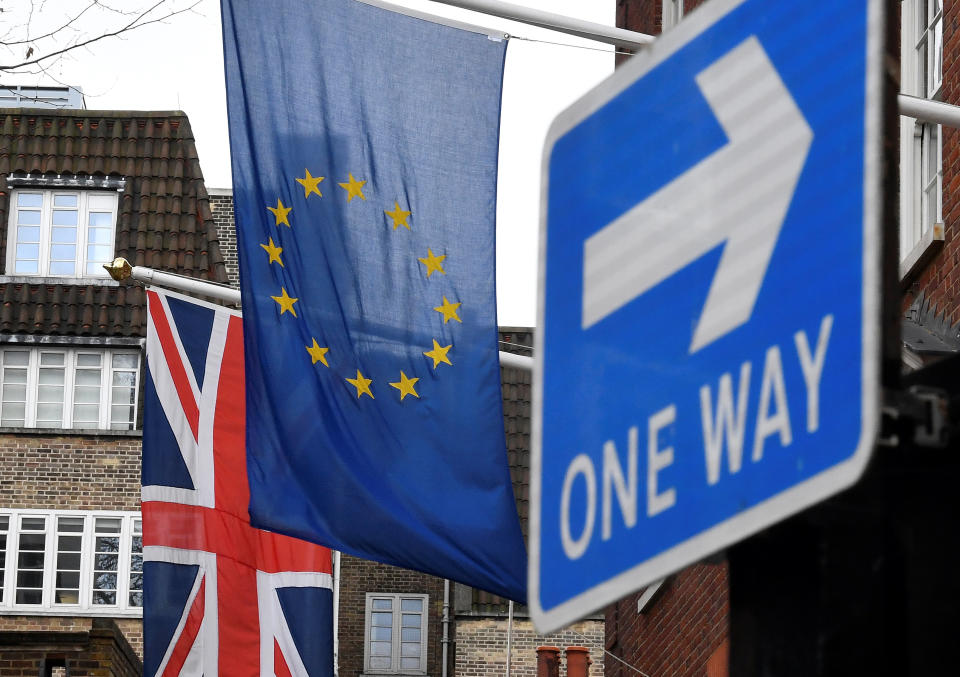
{"x": 13, "y": 415}
{"x": 64, "y": 217}
{"x": 410, "y": 649}
{"x": 4, "y": 522}
{"x": 70, "y": 524}
{"x": 28, "y": 251}
{"x": 99, "y": 252}
{"x": 28, "y": 217}
{"x": 29, "y": 596}
{"x": 411, "y": 605}
{"x": 125, "y": 360}
{"x": 30, "y": 560}
{"x": 107, "y": 543}
{"x": 136, "y": 563}
{"x": 86, "y": 413}
{"x": 124, "y": 378}
{"x": 381, "y": 604}
{"x": 68, "y": 579}
{"x": 104, "y": 581}
{"x": 69, "y": 543}
{"x": 409, "y": 663}
{"x": 33, "y": 523}
{"x": 14, "y": 393}
{"x": 63, "y": 252}
{"x": 86, "y": 394}
{"x": 101, "y": 219}
{"x": 379, "y": 663}
{"x": 63, "y": 235}
{"x": 105, "y": 562}
{"x": 67, "y": 596}
{"x": 28, "y": 234}
{"x": 382, "y": 634}
{"x": 123, "y": 396}
{"x": 50, "y": 394}
{"x": 381, "y": 619}
{"x": 379, "y": 648}
{"x": 410, "y": 634}
{"x": 88, "y": 360}
{"x": 136, "y": 599}
{"x": 26, "y": 267}
{"x": 64, "y": 200}
{"x": 51, "y": 376}
{"x": 411, "y": 620}
{"x": 63, "y": 268}
{"x": 108, "y": 525}
{"x": 30, "y": 199}
{"x": 30, "y": 579}
{"x": 69, "y": 561}
{"x": 100, "y": 236}
{"x": 88, "y": 377}
{"x": 18, "y": 358}
{"x": 48, "y": 359}
{"x": 121, "y": 414}
{"x": 104, "y": 597}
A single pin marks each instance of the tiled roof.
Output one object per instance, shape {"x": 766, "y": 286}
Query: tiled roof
{"x": 163, "y": 219}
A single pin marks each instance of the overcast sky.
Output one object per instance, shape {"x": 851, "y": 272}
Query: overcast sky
{"x": 178, "y": 65}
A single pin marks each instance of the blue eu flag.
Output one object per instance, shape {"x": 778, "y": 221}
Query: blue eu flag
{"x": 364, "y": 147}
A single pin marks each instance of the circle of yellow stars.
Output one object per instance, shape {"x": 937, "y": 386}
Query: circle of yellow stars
{"x": 431, "y": 263}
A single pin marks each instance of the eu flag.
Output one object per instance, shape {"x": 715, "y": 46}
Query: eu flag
{"x": 364, "y": 146}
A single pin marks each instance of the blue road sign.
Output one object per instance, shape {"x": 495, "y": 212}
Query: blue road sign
{"x": 707, "y": 345}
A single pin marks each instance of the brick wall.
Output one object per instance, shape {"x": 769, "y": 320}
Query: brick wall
{"x": 940, "y": 278}
{"x": 98, "y": 650}
{"x": 678, "y": 633}
{"x": 481, "y": 646}
{"x": 71, "y": 472}
{"x": 221, "y": 204}
{"x": 358, "y": 577}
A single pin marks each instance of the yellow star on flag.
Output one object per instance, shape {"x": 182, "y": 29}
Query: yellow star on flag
{"x": 398, "y": 215}
{"x": 449, "y": 311}
{"x": 406, "y": 386}
{"x": 286, "y": 302}
{"x": 433, "y": 263}
{"x": 318, "y": 354}
{"x": 310, "y": 184}
{"x": 439, "y": 354}
{"x": 274, "y": 252}
{"x": 361, "y": 384}
{"x": 353, "y": 188}
{"x": 280, "y": 213}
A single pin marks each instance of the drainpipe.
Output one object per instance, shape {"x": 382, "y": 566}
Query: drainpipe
{"x": 578, "y": 661}
{"x": 446, "y": 623}
{"x": 548, "y": 661}
{"x": 509, "y": 635}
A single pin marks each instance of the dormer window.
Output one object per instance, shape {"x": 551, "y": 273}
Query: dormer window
{"x": 61, "y": 233}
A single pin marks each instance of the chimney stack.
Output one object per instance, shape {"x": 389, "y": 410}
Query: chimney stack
{"x": 548, "y": 661}
{"x": 578, "y": 661}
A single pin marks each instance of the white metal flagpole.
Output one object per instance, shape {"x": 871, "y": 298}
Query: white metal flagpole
{"x": 563, "y": 24}
{"x": 121, "y": 269}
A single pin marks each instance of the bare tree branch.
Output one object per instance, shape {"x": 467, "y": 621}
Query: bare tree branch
{"x": 139, "y": 21}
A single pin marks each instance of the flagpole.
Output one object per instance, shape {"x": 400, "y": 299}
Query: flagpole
{"x": 563, "y": 24}
{"x": 121, "y": 269}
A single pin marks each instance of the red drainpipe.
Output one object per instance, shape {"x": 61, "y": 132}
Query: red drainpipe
{"x": 548, "y": 661}
{"x": 578, "y": 661}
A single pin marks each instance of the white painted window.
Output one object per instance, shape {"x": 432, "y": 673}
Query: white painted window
{"x": 73, "y": 562}
{"x": 921, "y": 147}
{"x": 672, "y": 13}
{"x": 61, "y": 233}
{"x": 395, "y": 637}
{"x": 80, "y": 387}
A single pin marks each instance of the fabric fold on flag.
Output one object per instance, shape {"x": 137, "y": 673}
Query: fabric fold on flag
{"x": 220, "y": 596}
{"x": 364, "y": 145}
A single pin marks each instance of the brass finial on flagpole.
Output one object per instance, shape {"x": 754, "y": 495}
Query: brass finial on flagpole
{"x": 119, "y": 270}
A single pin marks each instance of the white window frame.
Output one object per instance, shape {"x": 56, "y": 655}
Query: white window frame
{"x": 46, "y": 216}
{"x": 84, "y": 606}
{"x": 70, "y": 370}
{"x": 397, "y": 598}
{"x": 671, "y": 13}
{"x": 921, "y": 144}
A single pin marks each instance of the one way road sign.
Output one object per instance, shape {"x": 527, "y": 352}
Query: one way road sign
{"x": 707, "y": 338}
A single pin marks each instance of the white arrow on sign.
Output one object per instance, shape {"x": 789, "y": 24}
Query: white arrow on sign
{"x": 738, "y": 195}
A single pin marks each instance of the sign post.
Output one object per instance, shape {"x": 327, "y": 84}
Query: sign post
{"x": 708, "y": 332}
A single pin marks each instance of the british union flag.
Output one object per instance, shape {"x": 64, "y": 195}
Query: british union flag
{"x": 220, "y": 597}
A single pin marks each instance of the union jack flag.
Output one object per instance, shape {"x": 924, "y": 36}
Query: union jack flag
{"x": 220, "y": 597}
